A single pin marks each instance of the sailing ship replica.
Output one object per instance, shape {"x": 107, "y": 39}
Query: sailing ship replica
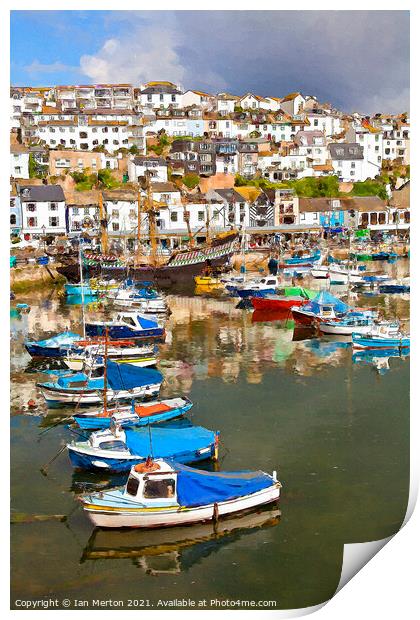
{"x": 183, "y": 265}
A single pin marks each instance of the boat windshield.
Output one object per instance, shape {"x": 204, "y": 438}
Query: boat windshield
{"x": 159, "y": 488}
{"x": 132, "y": 485}
{"x": 112, "y": 445}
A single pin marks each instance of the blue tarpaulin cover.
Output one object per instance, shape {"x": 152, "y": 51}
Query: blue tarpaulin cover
{"x": 167, "y": 442}
{"x": 57, "y": 341}
{"x": 324, "y": 298}
{"x": 198, "y": 488}
{"x": 147, "y": 323}
{"x": 128, "y": 376}
{"x": 95, "y": 383}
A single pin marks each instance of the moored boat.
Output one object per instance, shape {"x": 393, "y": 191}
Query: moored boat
{"x": 56, "y": 346}
{"x": 142, "y": 414}
{"x": 382, "y": 337}
{"x": 122, "y": 382}
{"x": 166, "y": 493}
{"x": 127, "y": 325}
{"x": 118, "y": 449}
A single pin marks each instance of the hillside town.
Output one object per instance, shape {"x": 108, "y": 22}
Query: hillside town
{"x": 269, "y": 165}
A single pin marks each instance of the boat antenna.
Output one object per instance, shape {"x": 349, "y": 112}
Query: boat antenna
{"x": 150, "y": 442}
{"x": 82, "y": 287}
{"x": 106, "y": 371}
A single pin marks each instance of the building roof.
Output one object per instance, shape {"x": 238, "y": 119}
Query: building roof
{"x": 248, "y": 193}
{"x": 401, "y": 197}
{"x": 358, "y": 203}
{"x": 82, "y": 199}
{"x": 141, "y": 161}
{"x": 230, "y": 195}
{"x": 307, "y": 138}
{"x": 125, "y": 194}
{"x": 156, "y": 88}
{"x": 164, "y": 187}
{"x": 291, "y": 96}
{"x": 345, "y": 150}
{"x": 41, "y": 193}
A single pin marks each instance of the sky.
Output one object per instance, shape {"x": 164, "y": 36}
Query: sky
{"x": 356, "y": 60}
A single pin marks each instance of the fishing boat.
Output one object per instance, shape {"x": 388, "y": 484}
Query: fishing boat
{"x": 141, "y": 301}
{"x": 346, "y": 326}
{"x": 90, "y": 354}
{"x": 56, "y": 346}
{"x": 395, "y": 287}
{"x": 258, "y": 288}
{"x": 301, "y": 260}
{"x": 116, "y": 381}
{"x": 206, "y": 281}
{"x": 382, "y": 337}
{"x": 130, "y": 325}
{"x": 142, "y": 414}
{"x": 117, "y": 450}
{"x": 164, "y": 493}
{"x": 326, "y": 307}
{"x": 79, "y": 290}
{"x": 287, "y": 297}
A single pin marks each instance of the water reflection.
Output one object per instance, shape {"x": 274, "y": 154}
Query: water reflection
{"x": 175, "y": 549}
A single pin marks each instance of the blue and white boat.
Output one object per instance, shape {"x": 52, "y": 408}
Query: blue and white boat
{"x": 130, "y": 325}
{"x": 164, "y": 493}
{"x": 140, "y": 414}
{"x": 306, "y": 259}
{"x": 80, "y": 290}
{"x": 351, "y": 323}
{"x": 395, "y": 286}
{"x": 144, "y": 301}
{"x": 56, "y": 346}
{"x": 258, "y": 288}
{"x": 118, "y": 449}
{"x": 124, "y": 382}
{"x": 382, "y": 337}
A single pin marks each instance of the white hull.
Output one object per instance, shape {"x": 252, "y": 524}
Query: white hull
{"x": 96, "y": 396}
{"x": 176, "y": 515}
{"x": 344, "y": 330}
{"x": 320, "y": 273}
{"x": 78, "y": 364}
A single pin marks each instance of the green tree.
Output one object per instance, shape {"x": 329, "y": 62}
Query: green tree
{"x": 191, "y": 180}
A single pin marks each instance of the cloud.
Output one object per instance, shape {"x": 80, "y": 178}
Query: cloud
{"x": 37, "y": 67}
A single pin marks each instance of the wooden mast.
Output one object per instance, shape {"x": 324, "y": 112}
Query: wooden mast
{"x": 105, "y": 371}
{"x": 138, "y": 225}
{"x": 152, "y": 221}
{"x": 104, "y": 225}
{"x": 187, "y": 219}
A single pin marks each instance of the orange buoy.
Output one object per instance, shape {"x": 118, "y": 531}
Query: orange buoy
{"x": 148, "y": 466}
{"x": 31, "y": 403}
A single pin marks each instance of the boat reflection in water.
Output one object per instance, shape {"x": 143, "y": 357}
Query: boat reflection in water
{"x": 267, "y": 316}
{"x": 172, "y": 550}
{"x": 379, "y": 358}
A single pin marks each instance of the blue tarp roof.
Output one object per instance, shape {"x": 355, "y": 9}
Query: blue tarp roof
{"x": 324, "y": 298}
{"x": 168, "y": 442}
{"x": 58, "y": 340}
{"x": 128, "y": 376}
{"x": 197, "y": 488}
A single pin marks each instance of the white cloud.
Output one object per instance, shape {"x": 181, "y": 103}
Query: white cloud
{"x": 54, "y": 67}
{"x": 141, "y": 56}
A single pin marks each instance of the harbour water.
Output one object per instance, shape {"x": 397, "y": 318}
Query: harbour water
{"x": 335, "y": 430}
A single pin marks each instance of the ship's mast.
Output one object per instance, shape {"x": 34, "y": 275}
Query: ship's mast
{"x": 104, "y": 225}
{"x": 138, "y": 225}
{"x": 187, "y": 219}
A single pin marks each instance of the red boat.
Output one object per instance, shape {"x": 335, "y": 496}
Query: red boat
{"x": 277, "y": 302}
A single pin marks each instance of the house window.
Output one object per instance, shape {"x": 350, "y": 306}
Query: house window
{"x": 75, "y": 210}
{"x": 76, "y": 225}
{"x": 53, "y": 221}
{"x": 115, "y": 226}
{"x": 161, "y": 97}
{"x": 32, "y": 222}
{"x": 382, "y": 218}
{"x": 31, "y": 207}
{"x": 407, "y": 217}
{"x": 149, "y": 97}
{"x": 174, "y": 216}
{"x": 53, "y": 206}
{"x": 316, "y": 122}
{"x": 115, "y": 129}
{"x": 17, "y": 170}
{"x": 302, "y": 217}
{"x": 13, "y": 219}
{"x": 173, "y": 98}
{"x": 373, "y": 219}
{"x": 132, "y": 214}
{"x": 115, "y": 213}
{"x": 86, "y": 211}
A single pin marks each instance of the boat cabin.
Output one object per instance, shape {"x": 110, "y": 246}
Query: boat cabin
{"x": 152, "y": 483}
{"x": 109, "y": 439}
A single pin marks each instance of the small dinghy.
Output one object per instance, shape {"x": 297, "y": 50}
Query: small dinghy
{"x": 164, "y": 493}
{"x": 258, "y": 288}
{"x": 145, "y": 301}
{"x": 123, "y": 382}
{"x": 141, "y": 414}
{"x": 127, "y": 325}
{"x": 117, "y": 450}
{"x": 89, "y": 353}
{"x": 57, "y": 346}
{"x": 382, "y": 337}
{"x": 352, "y": 323}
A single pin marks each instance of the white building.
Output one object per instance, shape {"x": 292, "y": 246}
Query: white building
{"x": 254, "y": 102}
{"x": 292, "y": 104}
{"x": 137, "y": 167}
{"x": 154, "y": 95}
{"x": 350, "y": 162}
{"x": 19, "y": 162}
{"x": 198, "y": 98}
{"x": 43, "y": 210}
